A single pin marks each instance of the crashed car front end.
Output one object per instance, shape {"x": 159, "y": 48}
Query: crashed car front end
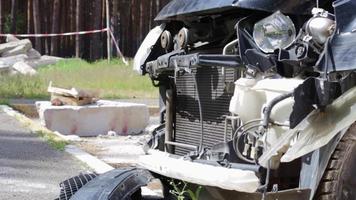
{"x": 252, "y": 93}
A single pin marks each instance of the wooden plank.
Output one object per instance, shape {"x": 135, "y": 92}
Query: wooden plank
{"x": 59, "y": 100}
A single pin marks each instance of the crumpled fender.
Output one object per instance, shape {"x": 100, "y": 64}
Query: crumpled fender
{"x": 315, "y": 131}
{"x": 145, "y": 49}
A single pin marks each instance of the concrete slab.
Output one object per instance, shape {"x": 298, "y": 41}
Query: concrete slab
{"x": 96, "y": 119}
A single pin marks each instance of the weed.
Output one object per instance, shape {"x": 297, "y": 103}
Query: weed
{"x": 181, "y": 191}
{"x": 4, "y": 102}
{"x": 52, "y": 140}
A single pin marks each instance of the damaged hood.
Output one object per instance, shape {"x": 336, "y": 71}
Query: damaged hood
{"x": 180, "y": 8}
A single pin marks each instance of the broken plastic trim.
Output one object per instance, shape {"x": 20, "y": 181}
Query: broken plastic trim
{"x": 316, "y": 130}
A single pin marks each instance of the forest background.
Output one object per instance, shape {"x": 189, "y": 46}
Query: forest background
{"x": 130, "y": 21}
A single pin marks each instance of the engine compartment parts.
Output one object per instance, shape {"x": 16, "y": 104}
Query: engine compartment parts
{"x": 166, "y": 40}
{"x": 183, "y": 38}
{"x": 252, "y": 88}
{"x": 274, "y": 32}
{"x": 321, "y": 26}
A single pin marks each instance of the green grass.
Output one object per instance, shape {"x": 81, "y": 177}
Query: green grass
{"x": 4, "y": 102}
{"x": 53, "y": 140}
{"x": 112, "y": 81}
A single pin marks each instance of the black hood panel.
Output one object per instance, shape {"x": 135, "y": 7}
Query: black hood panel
{"x": 177, "y": 9}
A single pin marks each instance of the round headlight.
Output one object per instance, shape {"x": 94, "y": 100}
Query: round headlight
{"x": 274, "y": 32}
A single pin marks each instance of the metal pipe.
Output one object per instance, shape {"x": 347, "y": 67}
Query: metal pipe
{"x": 226, "y": 48}
{"x": 200, "y": 114}
{"x": 269, "y": 107}
{"x": 225, "y": 130}
{"x": 187, "y": 146}
{"x": 168, "y": 136}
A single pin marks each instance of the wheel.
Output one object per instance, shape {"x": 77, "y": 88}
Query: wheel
{"x": 70, "y": 186}
{"x": 339, "y": 179}
{"x": 117, "y": 184}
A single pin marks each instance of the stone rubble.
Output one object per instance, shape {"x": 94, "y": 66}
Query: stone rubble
{"x": 19, "y": 57}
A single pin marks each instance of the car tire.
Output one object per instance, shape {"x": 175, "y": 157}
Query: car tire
{"x": 339, "y": 179}
{"x": 70, "y": 186}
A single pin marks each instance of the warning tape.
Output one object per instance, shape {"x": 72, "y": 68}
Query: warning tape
{"x": 71, "y": 33}
{"x": 118, "y": 48}
{"x": 56, "y": 34}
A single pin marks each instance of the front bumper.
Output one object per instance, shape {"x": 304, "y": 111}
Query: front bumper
{"x": 202, "y": 174}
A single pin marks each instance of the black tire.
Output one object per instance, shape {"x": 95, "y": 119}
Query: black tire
{"x": 70, "y": 186}
{"x": 339, "y": 179}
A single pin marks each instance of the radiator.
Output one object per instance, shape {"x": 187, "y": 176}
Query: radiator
{"x": 215, "y": 101}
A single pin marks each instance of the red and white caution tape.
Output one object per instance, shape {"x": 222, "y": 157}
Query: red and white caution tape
{"x": 68, "y": 34}
{"x": 56, "y": 34}
{"x": 118, "y": 48}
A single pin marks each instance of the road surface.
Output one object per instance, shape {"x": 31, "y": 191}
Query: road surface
{"x": 29, "y": 167}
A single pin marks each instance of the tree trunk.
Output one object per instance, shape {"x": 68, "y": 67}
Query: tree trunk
{"x": 152, "y": 14}
{"x": 95, "y": 42}
{"x": 135, "y": 24}
{"x": 29, "y": 16}
{"x": 1, "y": 17}
{"x": 125, "y": 27}
{"x": 37, "y": 24}
{"x": 13, "y": 15}
{"x": 46, "y": 26}
{"x": 63, "y": 47}
{"x": 115, "y": 25}
{"x": 55, "y": 27}
{"x": 78, "y": 23}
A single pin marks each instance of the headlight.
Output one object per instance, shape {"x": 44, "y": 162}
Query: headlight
{"x": 274, "y": 32}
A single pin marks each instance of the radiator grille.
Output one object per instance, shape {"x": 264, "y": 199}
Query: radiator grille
{"x": 215, "y": 101}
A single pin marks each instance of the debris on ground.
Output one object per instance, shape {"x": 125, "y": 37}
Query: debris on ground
{"x": 18, "y": 57}
{"x": 72, "y": 97}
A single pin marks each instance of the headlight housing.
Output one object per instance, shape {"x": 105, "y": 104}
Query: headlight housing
{"x": 274, "y": 32}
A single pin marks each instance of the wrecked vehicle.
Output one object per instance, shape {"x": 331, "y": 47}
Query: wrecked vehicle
{"x": 257, "y": 100}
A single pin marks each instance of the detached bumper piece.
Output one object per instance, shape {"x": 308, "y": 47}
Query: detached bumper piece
{"x": 202, "y": 174}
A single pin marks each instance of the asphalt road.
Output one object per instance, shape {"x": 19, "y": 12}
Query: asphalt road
{"x": 29, "y": 167}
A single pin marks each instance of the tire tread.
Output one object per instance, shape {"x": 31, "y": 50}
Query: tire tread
{"x": 327, "y": 189}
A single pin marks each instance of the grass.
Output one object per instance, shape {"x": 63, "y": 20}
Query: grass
{"x": 52, "y": 140}
{"x": 4, "y": 102}
{"x": 112, "y": 81}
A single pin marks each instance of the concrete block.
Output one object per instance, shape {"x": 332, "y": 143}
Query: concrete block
{"x": 11, "y": 38}
{"x": 43, "y": 61}
{"x": 11, "y": 45}
{"x": 33, "y": 54}
{"x": 4, "y": 69}
{"x": 24, "y": 68}
{"x": 21, "y": 49}
{"x": 96, "y": 119}
{"x": 11, "y": 60}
